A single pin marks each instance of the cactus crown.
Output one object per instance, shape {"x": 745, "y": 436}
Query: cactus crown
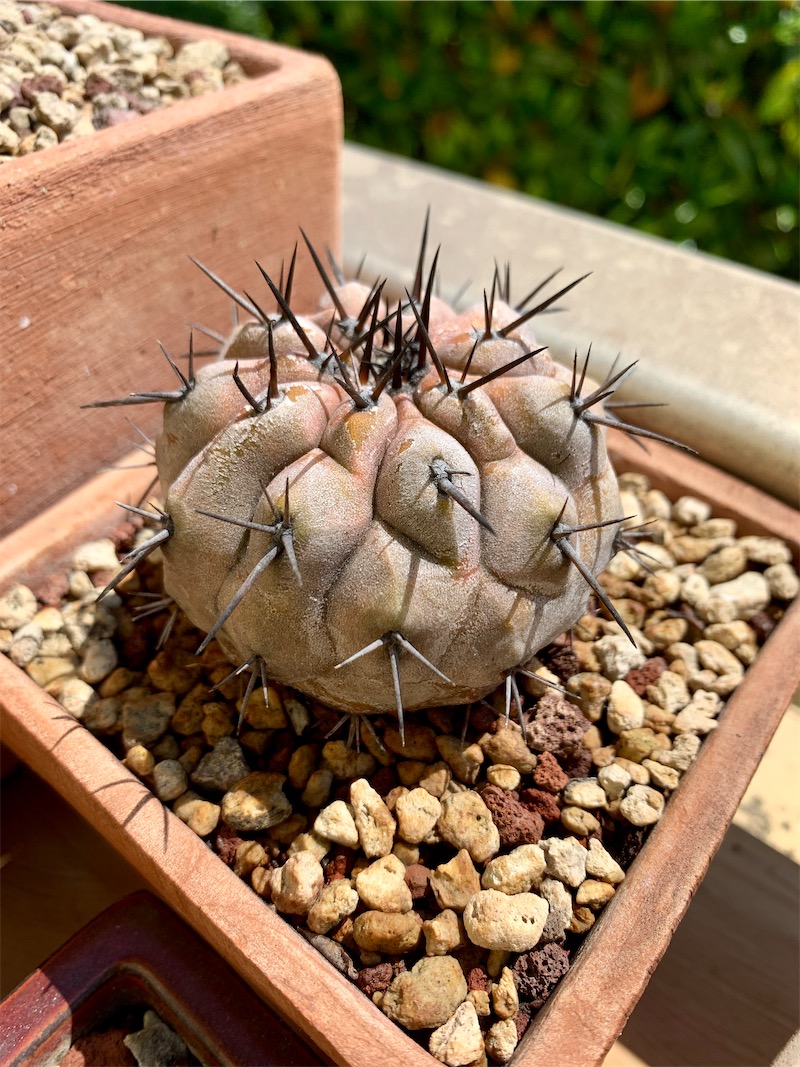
{"x": 385, "y": 507}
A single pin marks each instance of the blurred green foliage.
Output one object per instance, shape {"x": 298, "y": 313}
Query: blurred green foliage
{"x": 678, "y": 118}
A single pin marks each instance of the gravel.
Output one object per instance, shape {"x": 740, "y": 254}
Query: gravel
{"x": 63, "y": 77}
{"x": 403, "y": 866}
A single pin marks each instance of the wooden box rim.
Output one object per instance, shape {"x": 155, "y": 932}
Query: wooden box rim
{"x": 589, "y": 1009}
{"x": 270, "y": 67}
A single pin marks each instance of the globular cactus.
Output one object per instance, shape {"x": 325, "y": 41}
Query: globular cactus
{"x": 385, "y": 507}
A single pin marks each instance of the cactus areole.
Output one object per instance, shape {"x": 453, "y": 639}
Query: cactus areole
{"x": 386, "y": 507}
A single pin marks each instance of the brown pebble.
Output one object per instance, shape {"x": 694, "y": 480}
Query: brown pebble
{"x": 375, "y": 979}
{"x": 226, "y": 844}
{"x": 417, "y": 878}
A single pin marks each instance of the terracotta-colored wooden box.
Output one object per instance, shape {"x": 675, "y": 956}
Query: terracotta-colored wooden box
{"x": 590, "y": 1007}
{"x": 137, "y": 955}
{"x": 96, "y": 235}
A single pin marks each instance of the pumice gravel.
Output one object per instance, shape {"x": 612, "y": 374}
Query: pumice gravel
{"x": 451, "y": 874}
{"x": 66, "y": 76}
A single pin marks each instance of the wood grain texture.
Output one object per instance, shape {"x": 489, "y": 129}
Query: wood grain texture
{"x": 96, "y": 236}
{"x": 591, "y": 1006}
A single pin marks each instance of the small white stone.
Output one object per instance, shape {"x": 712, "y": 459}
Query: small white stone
{"x": 741, "y": 598}
{"x": 689, "y": 511}
{"x": 584, "y": 793}
{"x": 565, "y": 859}
{"x": 505, "y": 999}
{"x": 661, "y": 776}
{"x": 717, "y": 658}
{"x": 682, "y": 754}
{"x": 375, "y": 824}
{"x": 310, "y": 842}
{"x": 783, "y": 581}
{"x": 503, "y": 776}
{"x": 614, "y": 780}
{"x": 669, "y": 691}
{"x": 335, "y": 902}
{"x": 599, "y": 864}
{"x": 625, "y": 708}
{"x": 417, "y": 813}
{"x": 498, "y": 921}
{"x": 642, "y": 805}
{"x": 17, "y": 607}
{"x": 96, "y": 556}
{"x": 459, "y": 1041}
{"x": 559, "y": 916}
{"x": 382, "y": 886}
{"x": 26, "y": 644}
{"x": 336, "y": 823}
{"x": 76, "y": 696}
{"x": 617, "y": 655}
{"x": 769, "y": 550}
{"x": 297, "y": 884}
{"x": 517, "y": 872}
{"x": 501, "y": 1040}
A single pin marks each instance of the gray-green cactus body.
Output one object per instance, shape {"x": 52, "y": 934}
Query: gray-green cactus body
{"x": 443, "y": 531}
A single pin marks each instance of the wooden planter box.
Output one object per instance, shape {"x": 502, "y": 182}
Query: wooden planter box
{"x": 137, "y": 955}
{"x": 96, "y": 238}
{"x": 589, "y": 1008}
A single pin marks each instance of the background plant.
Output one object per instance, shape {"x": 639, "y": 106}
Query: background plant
{"x": 680, "y": 119}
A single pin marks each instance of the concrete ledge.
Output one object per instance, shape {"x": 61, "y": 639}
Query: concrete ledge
{"x": 718, "y": 342}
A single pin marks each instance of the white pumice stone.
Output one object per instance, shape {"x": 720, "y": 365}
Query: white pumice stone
{"x": 499, "y": 921}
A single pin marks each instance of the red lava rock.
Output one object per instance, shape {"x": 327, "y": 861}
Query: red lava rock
{"x": 763, "y": 624}
{"x": 563, "y": 662}
{"x": 478, "y": 978}
{"x": 339, "y": 864}
{"x": 95, "y": 85}
{"x": 557, "y": 726}
{"x": 522, "y": 1019}
{"x": 112, "y": 116}
{"x": 122, "y": 535}
{"x": 417, "y": 878}
{"x": 580, "y": 764}
{"x": 225, "y": 844}
{"x": 648, "y": 674}
{"x": 375, "y": 979}
{"x": 100, "y": 579}
{"x": 537, "y": 972}
{"x": 548, "y": 775}
{"x": 384, "y": 780}
{"x": 625, "y": 846}
{"x": 99, "y": 1050}
{"x": 544, "y": 804}
{"x": 52, "y": 590}
{"x": 40, "y": 83}
{"x": 516, "y": 824}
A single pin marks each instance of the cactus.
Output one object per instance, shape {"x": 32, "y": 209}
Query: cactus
{"x": 385, "y": 507}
